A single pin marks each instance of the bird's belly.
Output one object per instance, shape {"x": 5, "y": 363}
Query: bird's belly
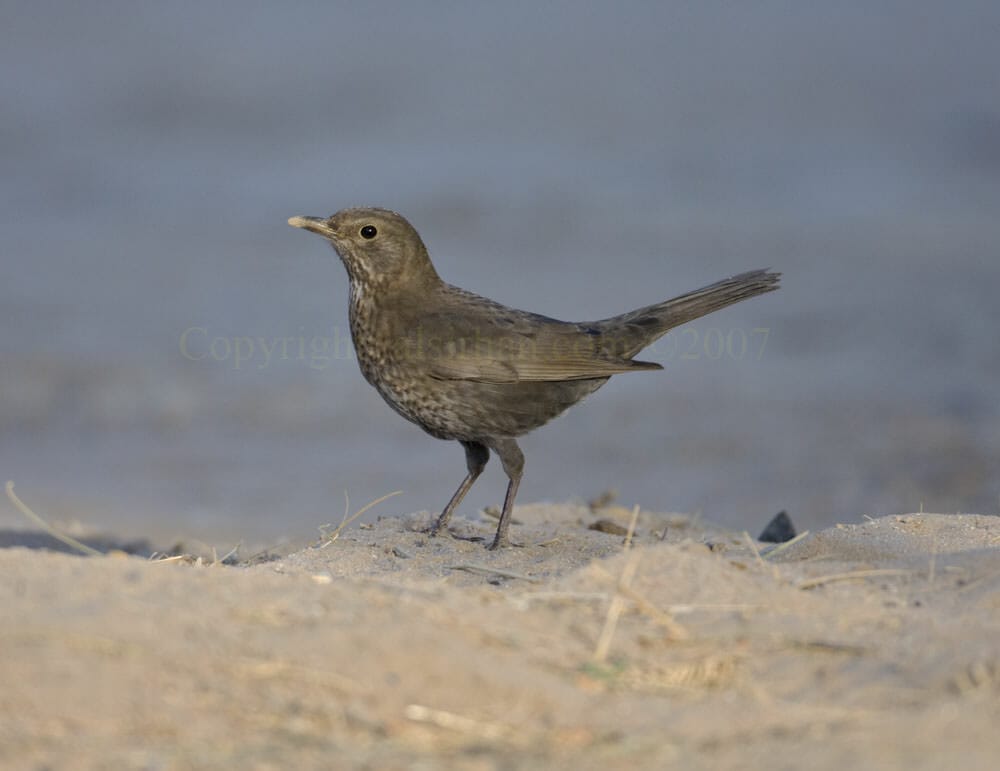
{"x": 460, "y": 409}
{"x": 463, "y": 409}
{"x": 408, "y": 392}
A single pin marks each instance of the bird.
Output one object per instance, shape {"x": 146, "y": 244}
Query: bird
{"x": 466, "y": 368}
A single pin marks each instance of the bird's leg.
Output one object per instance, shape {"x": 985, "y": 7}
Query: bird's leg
{"x": 476, "y": 456}
{"x": 513, "y": 465}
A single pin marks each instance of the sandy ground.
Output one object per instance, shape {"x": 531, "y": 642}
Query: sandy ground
{"x": 871, "y": 645}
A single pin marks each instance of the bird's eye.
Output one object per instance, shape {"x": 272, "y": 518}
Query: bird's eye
{"x": 368, "y": 231}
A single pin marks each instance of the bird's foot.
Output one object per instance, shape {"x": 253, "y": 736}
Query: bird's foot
{"x": 440, "y": 526}
{"x": 435, "y": 530}
{"x": 503, "y": 543}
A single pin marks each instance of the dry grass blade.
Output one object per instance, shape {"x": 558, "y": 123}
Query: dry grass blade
{"x": 631, "y": 526}
{"x": 349, "y": 519}
{"x": 681, "y": 608}
{"x": 661, "y": 617}
{"x": 782, "y": 546}
{"x": 66, "y": 539}
{"x": 852, "y": 575}
{"x": 175, "y": 558}
{"x": 753, "y": 547}
{"x": 485, "y": 570}
{"x": 615, "y": 609}
{"x": 617, "y": 604}
{"x": 231, "y": 553}
{"x": 420, "y": 713}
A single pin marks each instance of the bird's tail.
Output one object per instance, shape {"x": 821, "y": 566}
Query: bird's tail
{"x": 629, "y": 333}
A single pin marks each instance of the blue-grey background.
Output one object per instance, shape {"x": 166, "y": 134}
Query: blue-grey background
{"x": 573, "y": 158}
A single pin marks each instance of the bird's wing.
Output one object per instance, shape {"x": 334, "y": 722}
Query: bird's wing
{"x": 521, "y": 371}
{"x": 501, "y": 347}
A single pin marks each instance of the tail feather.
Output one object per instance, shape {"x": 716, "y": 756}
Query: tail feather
{"x": 630, "y": 332}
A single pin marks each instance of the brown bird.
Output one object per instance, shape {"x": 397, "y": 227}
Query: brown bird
{"x": 464, "y": 367}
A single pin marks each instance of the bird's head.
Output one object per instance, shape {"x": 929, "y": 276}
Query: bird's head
{"x": 377, "y": 246}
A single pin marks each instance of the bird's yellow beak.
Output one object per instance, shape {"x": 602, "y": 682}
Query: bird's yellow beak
{"x": 314, "y": 224}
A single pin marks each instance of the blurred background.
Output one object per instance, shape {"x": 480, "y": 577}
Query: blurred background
{"x": 577, "y": 159}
